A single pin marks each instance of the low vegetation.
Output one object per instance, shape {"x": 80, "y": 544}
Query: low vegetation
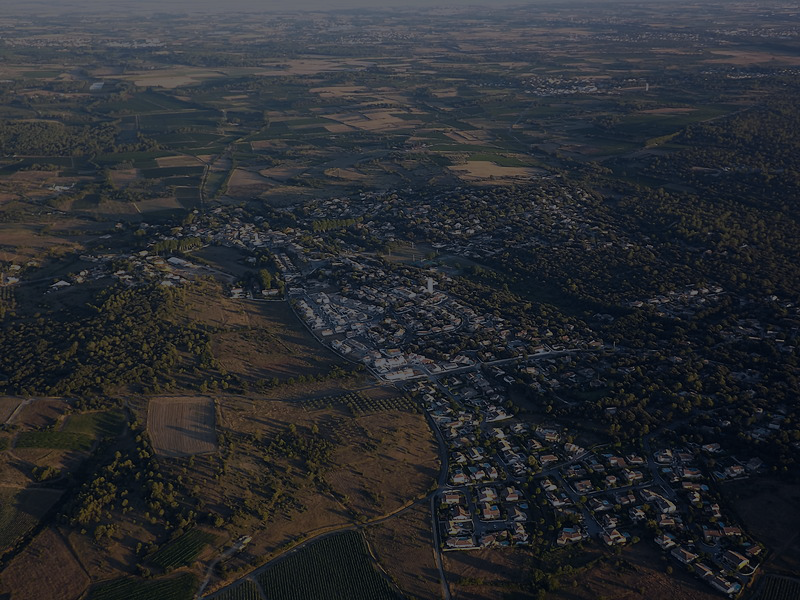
{"x": 338, "y": 567}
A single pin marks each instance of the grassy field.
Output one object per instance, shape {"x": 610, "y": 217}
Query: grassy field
{"x": 335, "y": 568}
{"x": 183, "y": 550}
{"x": 96, "y": 424}
{"x": 181, "y": 587}
{"x": 58, "y": 440}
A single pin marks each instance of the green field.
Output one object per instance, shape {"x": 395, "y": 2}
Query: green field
{"x": 335, "y": 568}
{"x": 57, "y": 440}
{"x": 779, "y": 588}
{"x": 246, "y": 590}
{"x": 95, "y": 424}
{"x": 182, "y": 587}
{"x": 183, "y": 550}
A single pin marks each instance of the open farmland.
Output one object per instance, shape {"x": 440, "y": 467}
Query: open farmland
{"x": 21, "y": 510}
{"x": 182, "y": 426}
{"x": 183, "y": 550}
{"x": 95, "y": 424}
{"x": 57, "y": 440}
{"x": 338, "y": 567}
{"x": 47, "y": 568}
{"x": 246, "y": 590}
{"x": 779, "y": 588}
{"x": 181, "y": 587}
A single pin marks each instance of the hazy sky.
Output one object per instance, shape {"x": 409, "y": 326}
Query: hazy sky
{"x": 33, "y": 7}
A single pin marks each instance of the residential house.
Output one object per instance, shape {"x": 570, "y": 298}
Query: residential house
{"x": 683, "y": 555}
{"x": 735, "y": 560}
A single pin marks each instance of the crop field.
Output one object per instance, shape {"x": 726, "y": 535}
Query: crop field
{"x": 162, "y": 172}
{"x": 182, "y": 587}
{"x": 96, "y": 424}
{"x": 21, "y": 510}
{"x": 779, "y": 588}
{"x": 182, "y": 426}
{"x": 335, "y": 568}
{"x": 57, "y": 440}
{"x": 361, "y": 404}
{"x": 183, "y": 550}
{"x": 47, "y": 568}
{"x": 246, "y": 590}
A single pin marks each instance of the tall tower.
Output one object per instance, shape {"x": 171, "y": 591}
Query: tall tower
{"x": 429, "y": 287}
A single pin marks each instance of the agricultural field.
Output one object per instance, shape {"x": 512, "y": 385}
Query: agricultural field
{"x": 21, "y": 510}
{"x": 180, "y": 587}
{"x": 183, "y": 550}
{"x": 246, "y": 590}
{"x": 46, "y": 568}
{"x": 97, "y": 425}
{"x": 778, "y": 588}
{"x": 363, "y": 403}
{"x": 338, "y": 567}
{"x": 57, "y": 440}
{"x": 182, "y": 426}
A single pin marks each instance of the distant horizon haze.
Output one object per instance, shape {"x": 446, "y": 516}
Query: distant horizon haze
{"x": 34, "y": 7}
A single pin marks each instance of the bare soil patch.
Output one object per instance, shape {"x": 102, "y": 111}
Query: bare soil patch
{"x": 41, "y": 412}
{"x": 182, "y": 426}
{"x": 123, "y": 177}
{"x": 177, "y": 161}
{"x": 482, "y": 169}
{"x": 261, "y": 340}
{"x": 376, "y": 464}
{"x": 403, "y": 546}
{"x": 484, "y": 574}
{"x": 373, "y": 443}
{"x": 47, "y": 568}
{"x": 245, "y": 178}
{"x": 7, "y": 407}
{"x": 640, "y": 572}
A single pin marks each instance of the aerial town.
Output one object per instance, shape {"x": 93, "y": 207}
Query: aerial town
{"x": 509, "y": 479}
